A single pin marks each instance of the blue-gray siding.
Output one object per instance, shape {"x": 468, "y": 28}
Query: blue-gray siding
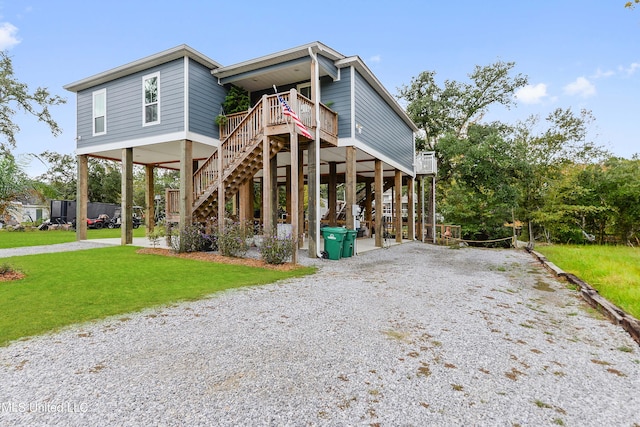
{"x": 205, "y": 100}
{"x": 338, "y": 94}
{"x": 382, "y": 128}
{"x": 124, "y": 107}
{"x": 328, "y": 65}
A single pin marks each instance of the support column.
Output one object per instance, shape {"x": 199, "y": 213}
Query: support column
{"x": 149, "y": 197}
{"x": 368, "y": 205}
{"x": 332, "y": 194}
{"x": 350, "y": 187}
{"x": 222, "y": 198}
{"x": 245, "y": 205}
{"x": 300, "y": 196}
{"x": 127, "y": 197}
{"x": 274, "y": 191}
{"x": 288, "y": 190}
{"x": 186, "y": 183}
{"x": 398, "y": 207}
{"x": 411, "y": 210}
{"x": 314, "y": 239}
{"x": 379, "y": 202}
{"x": 82, "y": 197}
{"x": 292, "y": 191}
{"x": 267, "y": 197}
{"x": 420, "y": 191}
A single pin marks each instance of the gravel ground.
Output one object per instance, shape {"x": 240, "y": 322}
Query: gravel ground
{"x": 412, "y": 335}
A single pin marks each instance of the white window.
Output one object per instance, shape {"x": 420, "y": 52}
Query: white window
{"x": 304, "y": 89}
{"x": 151, "y": 99}
{"x": 100, "y": 112}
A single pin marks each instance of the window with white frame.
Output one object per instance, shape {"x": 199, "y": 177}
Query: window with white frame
{"x": 100, "y": 112}
{"x": 151, "y": 99}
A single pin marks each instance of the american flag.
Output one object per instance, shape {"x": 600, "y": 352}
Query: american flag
{"x": 287, "y": 111}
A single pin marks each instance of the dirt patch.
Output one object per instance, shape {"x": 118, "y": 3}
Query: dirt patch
{"x": 214, "y": 257}
{"x": 11, "y": 276}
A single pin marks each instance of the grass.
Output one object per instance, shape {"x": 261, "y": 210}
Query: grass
{"x": 613, "y": 270}
{"x": 16, "y": 239}
{"x": 66, "y": 288}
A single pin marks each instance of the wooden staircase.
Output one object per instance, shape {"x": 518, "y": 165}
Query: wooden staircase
{"x": 240, "y": 154}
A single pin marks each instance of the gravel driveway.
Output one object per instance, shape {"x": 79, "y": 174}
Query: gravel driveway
{"x": 412, "y": 335}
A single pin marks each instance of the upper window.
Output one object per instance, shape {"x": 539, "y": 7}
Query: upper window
{"x": 151, "y": 99}
{"x": 304, "y": 89}
{"x": 100, "y": 112}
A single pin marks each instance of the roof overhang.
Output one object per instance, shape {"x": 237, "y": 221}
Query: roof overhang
{"x": 141, "y": 65}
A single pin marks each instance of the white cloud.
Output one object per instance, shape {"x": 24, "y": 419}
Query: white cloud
{"x": 375, "y": 59}
{"x": 8, "y": 36}
{"x": 631, "y": 69}
{"x": 581, "y": 87}
{"x": 603, "y": 74}
{"x": 532, "y": 94}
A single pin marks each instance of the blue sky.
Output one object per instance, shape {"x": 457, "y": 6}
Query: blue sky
{"x": 576, "y": 53}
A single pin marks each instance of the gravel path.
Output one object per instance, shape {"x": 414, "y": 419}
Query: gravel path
{"x": 412, "y": 335}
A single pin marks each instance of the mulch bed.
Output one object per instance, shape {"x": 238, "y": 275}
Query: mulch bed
{"x": 214, "y": 257}
{"x": 11, "y": 275}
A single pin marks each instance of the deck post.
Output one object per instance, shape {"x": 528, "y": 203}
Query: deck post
{"x": 221, "y": 196}
{"x": 274, "y": 190}
{"x": 368, "y": 205}
{"x": 313, "y": 213}
{"x": 411, "y": 210}
{"x": 300, "y": 189}
{"x": 398, "y": 206}
{"x": 379, "y": 202}
{"x": 82, "y": 197}
{"x": 420, "y": 208}
{"x": 350, "y": 187}
{"x": 267, "y": 197}
{"x": 126, "y": 211}
{"x": 149, "y": 197}
{"x": 186, "y": 183}
{"x": 332, "y": 195}
{"x": 292, "y": 191}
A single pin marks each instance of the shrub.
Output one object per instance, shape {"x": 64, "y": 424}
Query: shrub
{"x": 190, "y": 239}
{"x": 234, "y": 241}
{"x": 5, "y": 269}
{"x": 277, "y": 250}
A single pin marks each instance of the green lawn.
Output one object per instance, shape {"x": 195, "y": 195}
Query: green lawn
{"x": 72, "y": 287}
{"x": 16, "y": 239}
{"x": 613, "y": 270}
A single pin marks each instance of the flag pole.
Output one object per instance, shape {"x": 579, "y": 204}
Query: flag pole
{"x": 275, "y": 89}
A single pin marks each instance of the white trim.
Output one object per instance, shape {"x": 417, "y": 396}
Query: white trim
{"x": 158, "y": 101}
{"x": 302, "y": 86}
{"x": 141, "y": 142}
{"x": 186, "y": 94}
{"x": 93, "y": 111}
{"x": 353, "y": 101}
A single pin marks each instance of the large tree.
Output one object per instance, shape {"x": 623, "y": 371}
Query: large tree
{"x": 14, "y": 96}
{"x": 452, "y": 107}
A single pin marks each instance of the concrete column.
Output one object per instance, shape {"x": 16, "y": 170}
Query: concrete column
{"x": 82, "y": 197}
{"x": 126, "y": 236}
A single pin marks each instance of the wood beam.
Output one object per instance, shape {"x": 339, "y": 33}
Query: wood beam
{"x": 82, "y": 197}
{"x": 350, "y": 187}
{"x": 398, "y": 206}
{"x": 149, "y": 197}
{"x": 292, "y": 192}
{"x": 379, "y": 202}
{"x": 126, "y": 211}
{"x": 411, "y": 218}
{"x": 186, "y": 183}
{"x": 332, "y": 194}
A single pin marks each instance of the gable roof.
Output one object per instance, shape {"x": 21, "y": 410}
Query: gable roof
{"x": 141, "y": 65}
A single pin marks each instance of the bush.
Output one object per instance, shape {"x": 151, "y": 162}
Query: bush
{"x": 6, "y": 269}
{"x": 277, "y": 250}
{"x": 190, "y": 239}
{"x": 234, "y": 241}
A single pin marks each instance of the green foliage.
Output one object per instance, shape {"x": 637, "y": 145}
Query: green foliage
{"x": 6, "y": 268}
{"x": 275, "y": 249}
{"x": 62, "y": 289}
{"x": 15, "y": 96}
{"x": 613, "y": 270}
{"x": 236, "y": 101}
{"x": 191, "y": 239}
{"x": 234, "y": 240}
{"x": 14, "y": 183}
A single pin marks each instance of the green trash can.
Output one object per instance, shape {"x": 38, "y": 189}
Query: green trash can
{"x": 349, "y": 243}
{"x": 333, "y": 238}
